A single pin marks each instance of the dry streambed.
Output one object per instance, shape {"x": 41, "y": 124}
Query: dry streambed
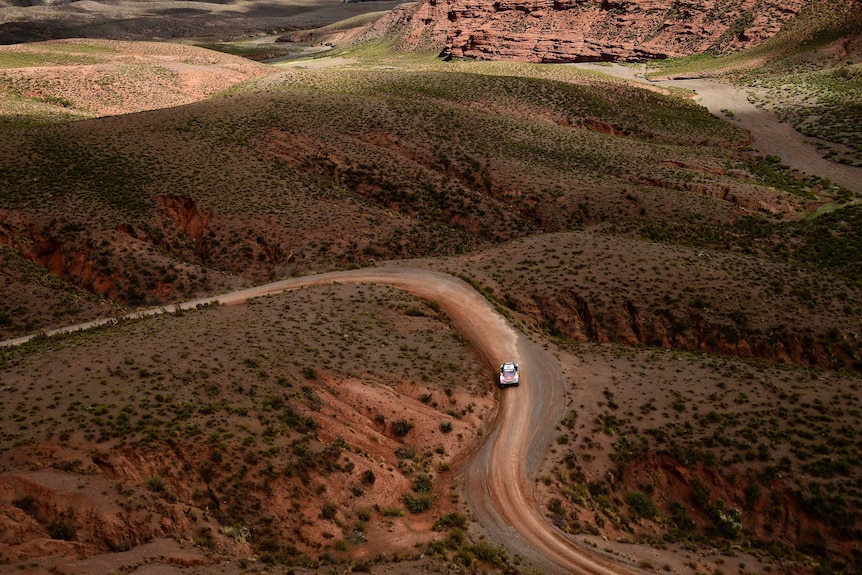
{"x": 771, "y": 136}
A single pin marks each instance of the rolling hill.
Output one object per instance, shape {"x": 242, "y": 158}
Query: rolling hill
{"x": 703, "y": 299}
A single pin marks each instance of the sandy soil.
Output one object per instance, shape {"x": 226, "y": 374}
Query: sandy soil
{"x": 110, "y": 77}
{"x": 368, "y": 376}
{"x": 771, "y": 136}
{"x": 498, "y": 482}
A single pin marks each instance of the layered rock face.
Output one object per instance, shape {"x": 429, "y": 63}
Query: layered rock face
{"x": 590, "y": 30}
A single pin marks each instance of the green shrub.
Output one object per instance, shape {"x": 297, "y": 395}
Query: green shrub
{"x": 641, "y": 504}
{"x": 401, "y": 427}
{"x": 449, "y": 521}
{"x": 555, "y": 506}
{"x": 329, "y": 510}
{"x": 156, "y": 484}
{"x": 482, "y": 551}
{"x": 417, "y": 504}
{"x": 422, "y": 484}
{"x": 59, "y": 529}
{"x": 27, "y": 504}
{"x": 405, "y": 453}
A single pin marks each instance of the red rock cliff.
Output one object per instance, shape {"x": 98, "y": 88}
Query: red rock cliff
{"x": 588, "y": 30}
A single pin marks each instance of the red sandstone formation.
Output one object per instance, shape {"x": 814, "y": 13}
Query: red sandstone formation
{"x": 587, "y": 30}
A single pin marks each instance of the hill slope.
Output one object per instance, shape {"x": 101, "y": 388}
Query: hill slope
{"x": 380, "y": 164}
{"x": 700, "y": 285}
{"x": 65, "y": 80}
{"x": 145, "y": 20}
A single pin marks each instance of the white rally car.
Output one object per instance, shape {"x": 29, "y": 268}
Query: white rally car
{"x": 509, "y": 374}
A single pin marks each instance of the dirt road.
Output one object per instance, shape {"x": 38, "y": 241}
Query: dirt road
{"x": 771, "y": 136}
{"x": 498, "y": 478}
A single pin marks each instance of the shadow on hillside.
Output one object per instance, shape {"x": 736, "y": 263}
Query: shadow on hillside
{"x": 166, "y": 22}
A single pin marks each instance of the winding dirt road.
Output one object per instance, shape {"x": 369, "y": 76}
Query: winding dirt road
{"x": 498, "y": 478}
{"x": 771, "y": 136}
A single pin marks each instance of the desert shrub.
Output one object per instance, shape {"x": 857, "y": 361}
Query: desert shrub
{"x": 683, "y": 525}
{"x": 368, "y": 477}
{"x": 446, "y": 427}
{"x": 641, "y": 504}
{"x": 329, "y": 510}
{"x": 27, "y": 504}
{"x": 59, "y": 529}
{"x": 239, "y": 533}
{"x": 296, "y": 421}
{"x": 401, "y": 427}
{"x": 752, "y": 495}
{"x": 422, "y": 484}
{"x": 831, "y": 507}
{"x": 405, "y": 453}
{"x": 728, "y": 523}
{"x": 555, "y": 506}
{"x": 156, "y": 484}
{"x": 482, "y": 551}
{"x": 570, "y": 420}
{"x": 449, "y": 521}
{"x": 417, "y": 504}
{"x": 206, "y": 540}
{"x": 700, "y": 495}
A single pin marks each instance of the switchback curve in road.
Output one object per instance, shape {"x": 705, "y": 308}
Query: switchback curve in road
{"x": 770, "y": 135}
{"x": 498, "y": 478}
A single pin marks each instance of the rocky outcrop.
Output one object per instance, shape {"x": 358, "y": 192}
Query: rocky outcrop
{"x": 184, "y": 213}
{"x": 414, "y": 25}
{"x": 767, "y": 507}
{"x": 70, "y": 252}
{"x": 573, "y": 316}
{"x": 76, "y": 505}
{"x": 49, "y": 250}
{"x": 587, "y": 30}
{"x": 95, "y": 524}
